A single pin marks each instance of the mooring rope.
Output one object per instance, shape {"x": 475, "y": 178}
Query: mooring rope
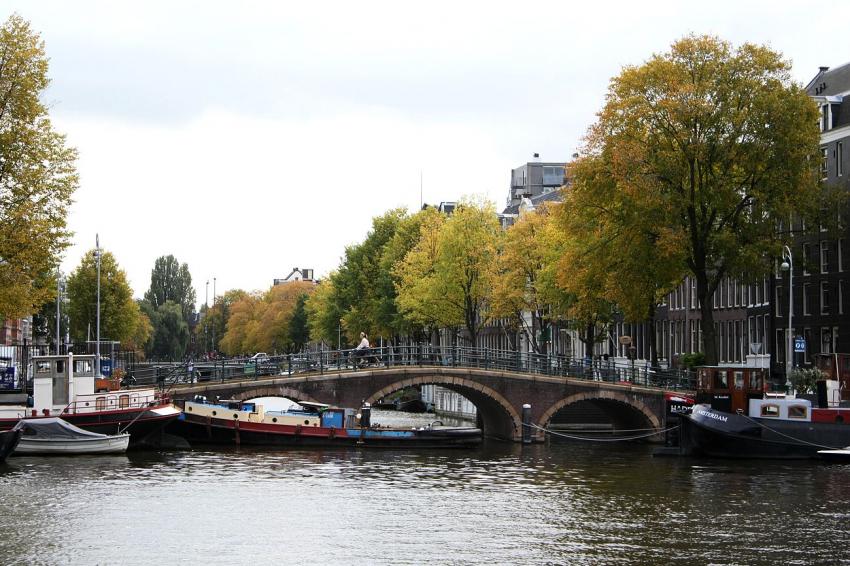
{"x": 620, "y": 439}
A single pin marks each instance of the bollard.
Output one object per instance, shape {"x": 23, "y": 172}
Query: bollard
{"x": 526, "y": 424}
{"x": 365, "y": 416}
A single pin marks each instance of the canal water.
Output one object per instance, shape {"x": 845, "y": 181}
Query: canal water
{"x": 560, "y": 503}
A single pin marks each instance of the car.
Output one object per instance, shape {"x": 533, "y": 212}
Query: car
{"x": 260, "y": 357}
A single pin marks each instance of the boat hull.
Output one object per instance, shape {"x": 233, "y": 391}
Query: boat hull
{"x": 205, "y": 430}
{"x": 709, "y": 432}
{"x": 116, "y": 444}
{"x": 8, "y": 442}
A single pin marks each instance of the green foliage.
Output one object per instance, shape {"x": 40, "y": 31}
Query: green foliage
{"x": 804, "y": 380}
{"x": 120, "y": 317}
{"x": 171, "y": 281}
{"x": 692, "y": 360}
{"x": 299, "y": 333}
{"x": 37, "y": 176}
{"x": 170, "y": 331}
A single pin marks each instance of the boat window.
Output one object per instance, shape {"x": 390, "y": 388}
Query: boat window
{"x": 720, "y": 380}
{"x": 739, "y": 380}
{"x": 123, "y": 401}
{"x": 770, "y": 410}
{"x": 42, "y": 367}
{"x": 704, "y": 379}
{"x": 797, "y": 412}
{"x": 82, "y": 366}
{"x": 60, "y": 366}
{"x": 755, "y": 381}
{"x": 100, "y": 403}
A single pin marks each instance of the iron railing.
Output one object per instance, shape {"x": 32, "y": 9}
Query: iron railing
{"x": 637, "y": 373}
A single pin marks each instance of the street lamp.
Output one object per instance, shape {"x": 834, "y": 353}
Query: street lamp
{"x": 788, "y": 265}
{"x": 97, "y": 348}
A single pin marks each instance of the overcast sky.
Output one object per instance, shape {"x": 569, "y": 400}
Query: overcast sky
{"x": 248, "y": 138}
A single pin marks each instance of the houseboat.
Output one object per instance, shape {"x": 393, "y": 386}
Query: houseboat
{"x": 66, "y": 387}
{"x": 735, "y": 417}
{"x": 236, "y": 422}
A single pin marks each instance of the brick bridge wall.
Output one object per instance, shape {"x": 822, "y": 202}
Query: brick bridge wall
{"x": 498, "y": 396}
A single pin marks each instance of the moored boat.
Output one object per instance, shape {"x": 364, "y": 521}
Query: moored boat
{"x": 54, "y": 436}
{"x": 238, "y": 422}
{"x": 736, "y": 418}
{"x": 66, "y": 387}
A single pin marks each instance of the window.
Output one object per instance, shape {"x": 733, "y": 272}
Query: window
{"x": 42, "y": 367}
{"x": 123, "y": 401}
{"x": 100, "y": 403}
{"x": 824, "y": 164}
{"x": 841, "y": 297}
{"x": 756, "y": 381}
{"x": 770, "y": 410}
{"x": 825, "y": 340}
{"x": 824, "y": 256}
{"x": 778, "y": 302}
{"x": 693, "y": 293}
{"x": 839, "y": 159}
{"x": 807, "y": 289}
{"x": 739, "y": 381}
{"x": 824, "y": 297}
{"x": 82, "y": 366}
{"x": 797, "y": 411}
{"x": 806, "y": 251}
{"x": 720, "y": 380}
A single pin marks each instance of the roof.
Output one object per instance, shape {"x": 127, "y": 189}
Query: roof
{"x": 829, "y": 82}
{"x": 551, "y": 196}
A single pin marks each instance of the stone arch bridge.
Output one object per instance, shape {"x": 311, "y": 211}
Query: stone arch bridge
{"x": 499, "y": 396}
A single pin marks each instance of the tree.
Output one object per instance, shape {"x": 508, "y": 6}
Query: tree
{"x": 121, "y": 319}
{"x": 299, "y": 331}
{"x": 521, "y": 285}
{"x": 37, "y": 176}
{"x": 171, "y": 281}
{"x": 718, "y": 146}
{"x": 170, "y": 331}
{"x": 449, "y": 275}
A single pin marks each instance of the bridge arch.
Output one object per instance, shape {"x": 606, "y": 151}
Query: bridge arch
{"x": 274, "y": 391}
{"x": 497, "y": 416}
{"x": 607, "y": 396}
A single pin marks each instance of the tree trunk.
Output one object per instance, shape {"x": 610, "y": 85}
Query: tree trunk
{"x": 650, "y": 328}
{"x": 709, "y": 338}
{"x": 590, "y": 340}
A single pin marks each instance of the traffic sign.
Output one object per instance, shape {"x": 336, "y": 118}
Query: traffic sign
{"x": 799, "y": 344}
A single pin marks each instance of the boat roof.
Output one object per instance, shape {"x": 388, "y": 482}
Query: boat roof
{"x": 54, "y": 427}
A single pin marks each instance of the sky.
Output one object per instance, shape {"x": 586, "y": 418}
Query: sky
{"x": 249, "y": 138}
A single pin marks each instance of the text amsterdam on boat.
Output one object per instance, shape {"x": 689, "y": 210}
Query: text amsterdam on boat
{"x": 66, "y": 387}
{"x": 238, "y": 422}
{"x": 735, "y": 417}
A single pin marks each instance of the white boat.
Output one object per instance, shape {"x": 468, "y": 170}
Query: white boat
{"x": 52, "y": 435}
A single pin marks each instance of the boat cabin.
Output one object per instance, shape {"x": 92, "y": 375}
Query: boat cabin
{"x": 730, "y": 389}
{"x": 836, "y": 367}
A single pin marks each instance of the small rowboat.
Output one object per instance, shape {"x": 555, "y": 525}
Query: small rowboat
{"x": 52, "y": 435}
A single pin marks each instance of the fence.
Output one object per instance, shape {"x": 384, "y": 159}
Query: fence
{"x": 420, "y": 355}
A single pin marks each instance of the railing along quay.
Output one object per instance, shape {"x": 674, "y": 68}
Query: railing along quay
{"x": 414, "y": 356}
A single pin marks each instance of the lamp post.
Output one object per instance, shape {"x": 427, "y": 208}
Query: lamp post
{"x": 788, "y": 265}
{"x": 97, "y": 336}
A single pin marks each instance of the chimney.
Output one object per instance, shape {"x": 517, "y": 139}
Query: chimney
{"x": 823, "y": 69}
{"x": 536, "y": 157}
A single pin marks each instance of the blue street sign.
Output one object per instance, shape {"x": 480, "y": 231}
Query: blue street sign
{"x": 106, "y": 367}
{"x": 7, "y": 377}
{"x": 799, "y": 344}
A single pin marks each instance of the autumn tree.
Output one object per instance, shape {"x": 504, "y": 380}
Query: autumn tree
{"x": 717, "y": 146}
{"x": 448, "y": 276}
{"x": 213, "y": 323}
{"x": 521, "y": 286}
{"x": 324, "y": 316}
{"x": 121, "y": 319}
{"x": 37, "y": 176}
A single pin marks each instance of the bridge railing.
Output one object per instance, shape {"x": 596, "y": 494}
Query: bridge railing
{"x": 420, "y": 355}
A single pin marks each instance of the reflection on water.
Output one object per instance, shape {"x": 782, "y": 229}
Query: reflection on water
{"x": 500, "y": 503}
